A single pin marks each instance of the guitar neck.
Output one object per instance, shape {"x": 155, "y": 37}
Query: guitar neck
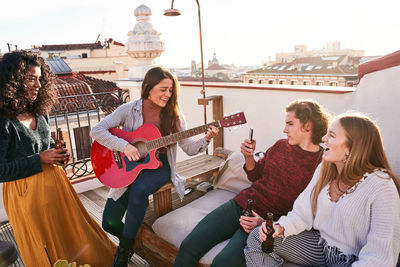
{"x": 176, "y": 137}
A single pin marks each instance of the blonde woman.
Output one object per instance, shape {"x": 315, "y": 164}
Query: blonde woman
{"x": 349, "y": 214}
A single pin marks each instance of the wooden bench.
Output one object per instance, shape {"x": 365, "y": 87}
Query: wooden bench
{"x": 148, "y": 245}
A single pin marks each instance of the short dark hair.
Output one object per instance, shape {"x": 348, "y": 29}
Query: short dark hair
{"x": 14, "y": 100}
{"x": 310, "y": 110}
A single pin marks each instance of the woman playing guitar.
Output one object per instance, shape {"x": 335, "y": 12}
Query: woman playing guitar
{"x": 158, "y": 105}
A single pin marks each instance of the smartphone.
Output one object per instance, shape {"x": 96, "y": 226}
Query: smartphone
{"x": 251, "y": 135}
{"x": 188, "y": 191}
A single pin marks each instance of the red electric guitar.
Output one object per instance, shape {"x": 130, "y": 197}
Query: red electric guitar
{"x": 114, "y": 169}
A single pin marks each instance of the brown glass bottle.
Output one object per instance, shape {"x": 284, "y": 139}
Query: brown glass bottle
{"x": 268, "y": 245}
{"x": 248, "y": 211}
{"x": 59, "y": 142}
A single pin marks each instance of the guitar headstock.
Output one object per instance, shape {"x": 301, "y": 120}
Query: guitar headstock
{"x": 233, "y": 120}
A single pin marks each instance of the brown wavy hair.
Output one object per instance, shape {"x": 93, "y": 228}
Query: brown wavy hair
{"x": 169, "y": 116}
{"x": 366, "y": 154}
{"x": 14, "y": 97}
{"x": 310, "y": 110}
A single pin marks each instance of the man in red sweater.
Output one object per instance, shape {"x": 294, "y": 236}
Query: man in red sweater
{"x": 278, "y": 178}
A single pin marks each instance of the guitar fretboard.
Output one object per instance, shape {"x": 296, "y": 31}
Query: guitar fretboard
{"x": 174, "y": 138}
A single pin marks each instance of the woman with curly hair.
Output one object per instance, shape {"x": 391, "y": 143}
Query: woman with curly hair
{"x": 47, "y": 217}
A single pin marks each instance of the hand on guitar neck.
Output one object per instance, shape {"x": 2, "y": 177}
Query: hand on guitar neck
{"x": 133, "y": 154}
{"x": 212, "y": 132}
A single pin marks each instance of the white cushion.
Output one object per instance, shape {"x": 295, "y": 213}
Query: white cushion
{"x": 177, "y": 224}
{"x": 232, "y": 176}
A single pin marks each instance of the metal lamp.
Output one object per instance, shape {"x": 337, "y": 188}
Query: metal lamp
{"x": 176, "y": 12}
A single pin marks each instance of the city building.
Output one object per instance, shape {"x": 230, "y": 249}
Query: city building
{"x": 79, "y": 94}
{"x": 330, "y": 49}
{"x": 106, "y": 60}
{"x": 317, "y": 70}
{"x": 213, "y": 72}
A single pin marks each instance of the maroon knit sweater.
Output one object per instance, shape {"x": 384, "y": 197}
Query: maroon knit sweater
{"x": 278, "y": 178}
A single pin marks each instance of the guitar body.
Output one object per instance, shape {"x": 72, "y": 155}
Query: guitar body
{"x": 105, "y": 164}
{"x": 114, "y": 169}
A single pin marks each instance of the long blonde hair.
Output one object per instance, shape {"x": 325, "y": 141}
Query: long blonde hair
{"x": 366, "y": 154}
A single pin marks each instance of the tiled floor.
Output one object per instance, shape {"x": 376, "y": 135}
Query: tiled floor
{"x": 7, "y": 234}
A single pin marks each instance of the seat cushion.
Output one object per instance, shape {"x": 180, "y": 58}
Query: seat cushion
{"x": 231, "y": 175}
{"x": 177, "y": 224}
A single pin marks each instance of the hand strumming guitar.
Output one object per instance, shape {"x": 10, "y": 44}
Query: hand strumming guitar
{"x": 131, "y": 153}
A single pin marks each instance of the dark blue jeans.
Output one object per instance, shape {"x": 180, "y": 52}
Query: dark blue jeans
{"x": 134, "y": 202}
{"x": 219, "y": 225}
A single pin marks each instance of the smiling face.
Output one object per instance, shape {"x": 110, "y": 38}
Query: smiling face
{"x": 336, "y": 144}
{"x": 161, "y": 92}
{"x": 295, "y": 130}
{"x": 32, "y": 82}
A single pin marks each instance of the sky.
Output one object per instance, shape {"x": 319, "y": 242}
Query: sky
{"x": 239, "y": 32}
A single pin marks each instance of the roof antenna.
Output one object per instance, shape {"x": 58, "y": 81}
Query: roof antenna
{"x": 98, "y": 36}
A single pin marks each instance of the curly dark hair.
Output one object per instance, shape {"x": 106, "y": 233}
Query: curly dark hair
{"x": 14, "y": 97}
{"x": 310, "y": 110}
{"x": 170, "y": 113}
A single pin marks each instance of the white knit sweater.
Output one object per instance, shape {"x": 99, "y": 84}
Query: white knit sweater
{"x": 365, "y": 223}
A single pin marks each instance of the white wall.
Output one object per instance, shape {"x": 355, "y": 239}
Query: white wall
{"x": 378, "y": 95}
{"x": 264, "y": 110}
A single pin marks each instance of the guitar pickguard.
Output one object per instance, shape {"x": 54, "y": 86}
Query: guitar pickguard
{"x": 130, "y": 165}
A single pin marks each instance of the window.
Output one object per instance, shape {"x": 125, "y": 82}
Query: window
{"x": 282, "y": 67}
{"x": 281, "y": 81}
{"x": 84, "y": 55}
{"x": 309, "y": 67}
{"x": 332, "y": 83}
{"x": 82, "y": 142}
{"x": 306, "y": 83}
{"x": 260, "y": 81}
{"x": 293, "y": 82}
{"x": 319, "y": 83}
{"x": 251, "y": 80}
{"x": 271, "y": 81}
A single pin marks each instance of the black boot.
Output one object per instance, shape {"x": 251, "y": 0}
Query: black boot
{"x": 124, "y": 252}
{"x": 8, "y": 253}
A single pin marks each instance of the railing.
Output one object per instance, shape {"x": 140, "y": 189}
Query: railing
{"x": 76, "y": 115}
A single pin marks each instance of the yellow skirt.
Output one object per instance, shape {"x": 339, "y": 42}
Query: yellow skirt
{"x": 50, "y": 222}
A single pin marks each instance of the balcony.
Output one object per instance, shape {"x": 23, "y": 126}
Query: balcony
{"x": 377, "y": 95}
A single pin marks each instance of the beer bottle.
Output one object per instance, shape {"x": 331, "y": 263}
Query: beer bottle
{"x": 268, "y": 245}
{"x": 59, "y": 143}
{"x": 248, "y": 211}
